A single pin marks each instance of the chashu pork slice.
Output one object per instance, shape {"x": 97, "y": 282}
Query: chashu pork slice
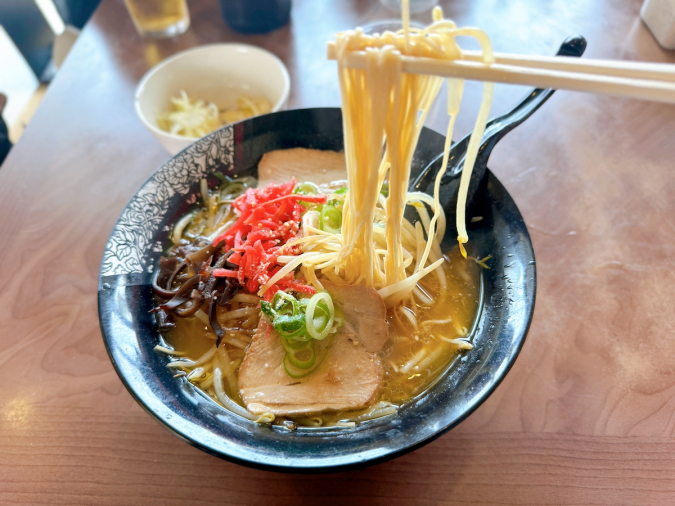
{"x": 349, "y": 377}
{"x": 315, "y": 165}
{"x": 364, "y": 311}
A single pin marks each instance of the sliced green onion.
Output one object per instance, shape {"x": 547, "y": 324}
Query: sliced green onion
{"x": 320, "y": 323}
{"x": 294, "y": 344}
{"x": 299, "y": 322}
{"x": 294, "y": 355}
{"x": 267, "y": 310}
{"x": 323, "y": 306}
{"x": 306, "y": 363}
{"x": 385, "y": 189}
{"x": 330, "y": 219}
{"x": 341, "y": 191}
{"x": 306, "y": 189}
{"x": 281, "y": 301}
{"x": 298, "y": 335}
{"x": 289, "y": 325}
{"x": 312, "y": 330}
{"x": 293, "y": 371}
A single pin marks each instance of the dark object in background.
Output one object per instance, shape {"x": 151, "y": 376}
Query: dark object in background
{"x": 76, "y": 12}
{"x": 255, "y": 16}
{"x": 5, "y": 145}
{"x": 26, "y": 26}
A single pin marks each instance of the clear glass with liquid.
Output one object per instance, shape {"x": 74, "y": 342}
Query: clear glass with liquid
{"x": 159, "y": 18}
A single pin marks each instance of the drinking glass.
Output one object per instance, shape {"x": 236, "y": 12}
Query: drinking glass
{"x": 159, "y": 18}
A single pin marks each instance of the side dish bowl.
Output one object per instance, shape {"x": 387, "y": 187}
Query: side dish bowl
{"x": 130, "y": 331}
{"x": 216, "y": 73}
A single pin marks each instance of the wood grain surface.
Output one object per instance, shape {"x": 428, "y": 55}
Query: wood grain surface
{"x": 586, "y": 416}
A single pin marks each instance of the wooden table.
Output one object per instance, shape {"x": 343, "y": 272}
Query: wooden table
{"x": 587, "y": 415}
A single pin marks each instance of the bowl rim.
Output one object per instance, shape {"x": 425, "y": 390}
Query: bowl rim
{"x": 140, "y": 87}
{"x": 352, "y": 461}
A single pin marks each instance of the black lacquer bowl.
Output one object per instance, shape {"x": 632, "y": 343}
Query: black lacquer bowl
{"x": 130, "y": 331}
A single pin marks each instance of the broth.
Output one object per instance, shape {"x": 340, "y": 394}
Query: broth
{"x": 419, "y": 356}
{"x": 412, "y": 359}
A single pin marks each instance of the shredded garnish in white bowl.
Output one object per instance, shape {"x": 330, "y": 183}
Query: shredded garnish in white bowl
{"x": 189, "y": 119}
{"x": 197, "y": 118}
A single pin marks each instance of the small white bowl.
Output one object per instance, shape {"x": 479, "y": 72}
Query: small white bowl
{"x": 216, "y": 73}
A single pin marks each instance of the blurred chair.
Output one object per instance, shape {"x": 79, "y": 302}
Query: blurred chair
{"x": 35, "y": 25}
{"x": 26, "y": 26}
{"x": 35, "y": 38}
{"x": 65, "y": 33}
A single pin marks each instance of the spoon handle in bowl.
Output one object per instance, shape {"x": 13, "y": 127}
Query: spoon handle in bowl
{"x": 495, "y": 130}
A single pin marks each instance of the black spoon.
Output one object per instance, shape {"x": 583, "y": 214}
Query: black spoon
{"x": 494, "y": 131}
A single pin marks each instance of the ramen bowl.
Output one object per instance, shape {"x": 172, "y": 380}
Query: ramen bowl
{"x": 130, "y": 332}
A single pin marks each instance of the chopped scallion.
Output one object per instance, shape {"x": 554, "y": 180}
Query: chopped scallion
{"x": 330, "y": 219}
